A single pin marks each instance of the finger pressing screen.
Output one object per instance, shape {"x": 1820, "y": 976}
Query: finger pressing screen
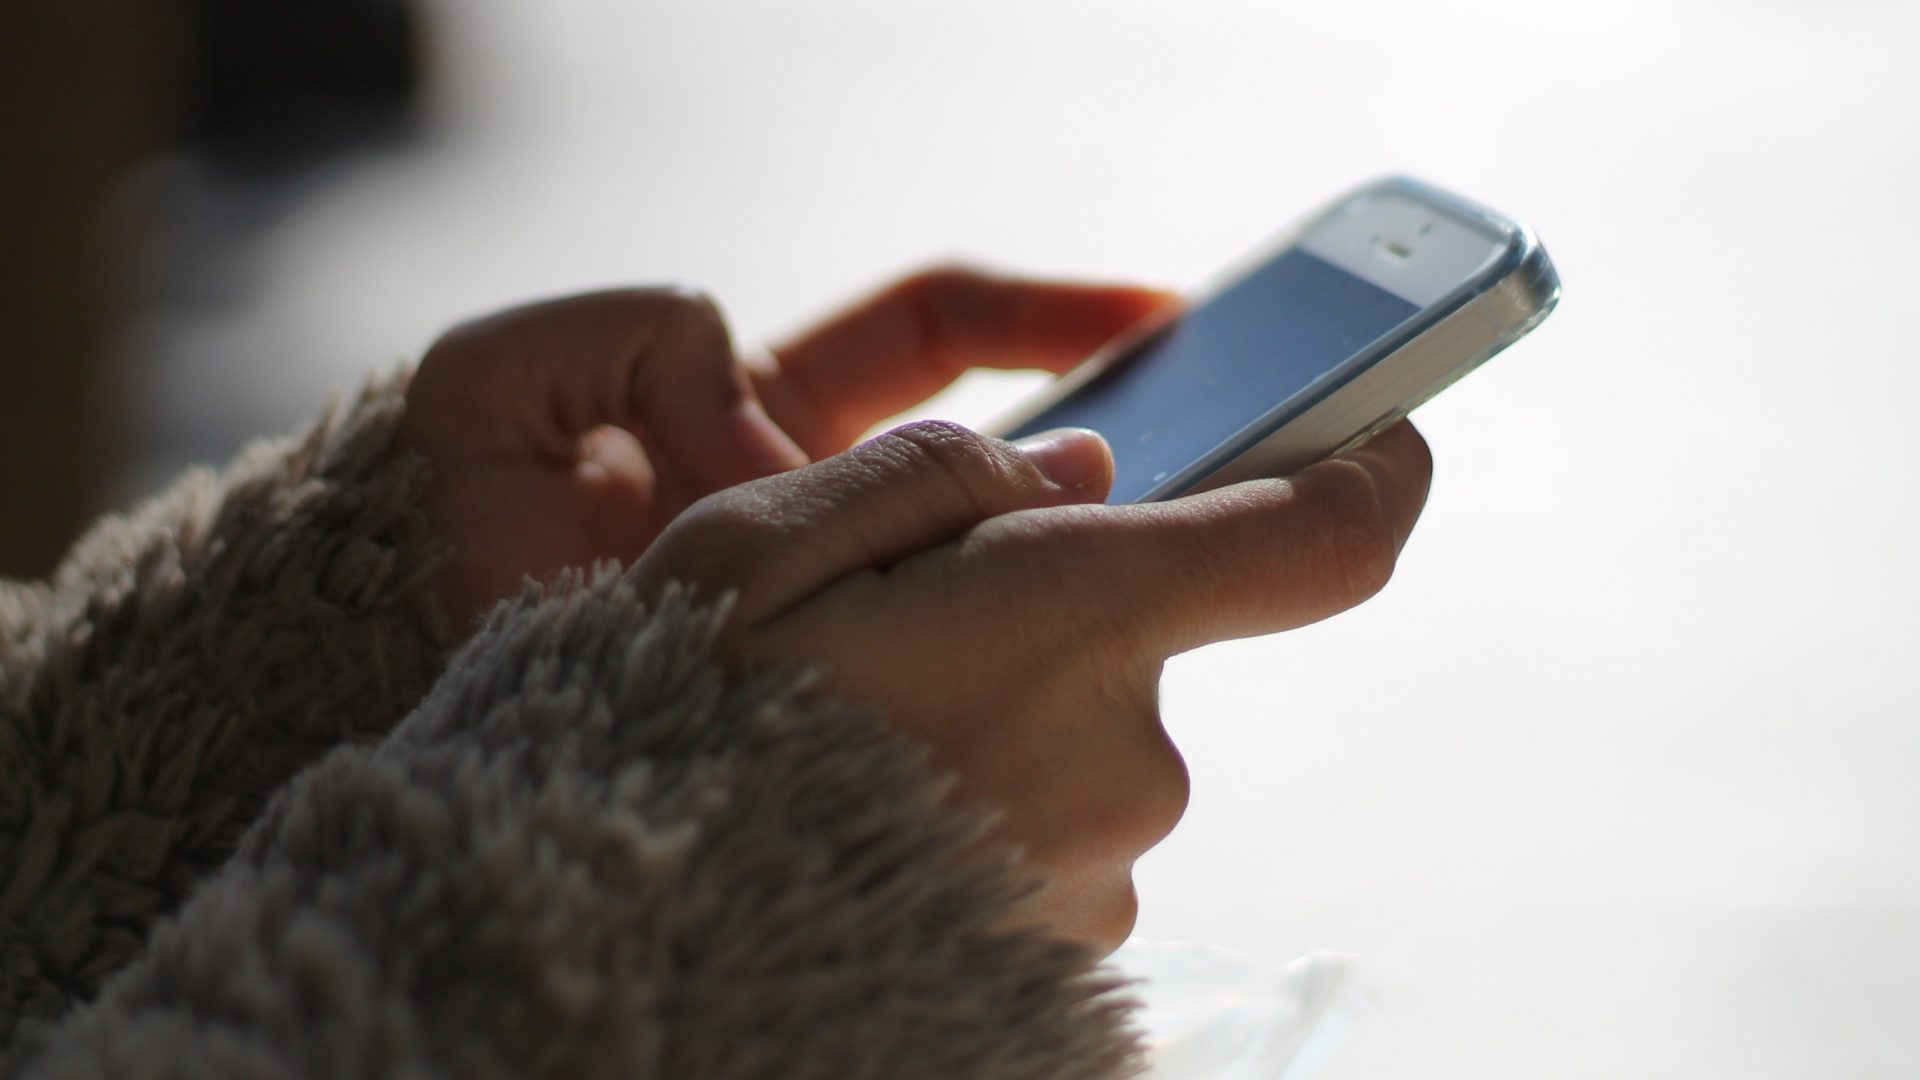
{"x": 895, "y": 349}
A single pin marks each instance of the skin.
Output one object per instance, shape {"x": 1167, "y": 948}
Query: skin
{"x": 977, "y": 592}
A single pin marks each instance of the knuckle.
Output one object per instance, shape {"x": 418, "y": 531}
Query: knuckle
{"x": 680, "y": 311}
{"x": 1111, "y": 927}
{"x": 435, "y": 364}
{"x": 453, "y": 338}
{"x": 946, "y": 438}
{"x": 971, "y": 462}
{"x": 1171, "y": 791}
{"x": 689, "y": 324}
{"x": 1158, "y": 792}
{"x": 716, "y": 543}
{"x": 482, "y": 357}
{"x": 1143, "y": 786}
{"x": 685, "y": 302}
{"x": 466, "y": 343}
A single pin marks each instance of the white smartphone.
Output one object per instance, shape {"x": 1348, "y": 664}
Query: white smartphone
{"x": 1368, "y": 308}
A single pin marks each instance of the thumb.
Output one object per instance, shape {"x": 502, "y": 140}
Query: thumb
{"x": 780, "y": 539}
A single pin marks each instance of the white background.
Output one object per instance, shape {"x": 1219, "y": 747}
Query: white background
{"x": 1618, "y": 777}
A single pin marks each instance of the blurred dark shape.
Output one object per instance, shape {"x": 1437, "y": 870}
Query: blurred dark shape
{"x": 279, "y": 84}
{"x": 90, "y": 90}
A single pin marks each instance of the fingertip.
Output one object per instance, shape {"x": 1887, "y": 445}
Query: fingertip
{"x": 1129, "y": 303}
{"x": 1397, "y": 446}
{"x": 1398, "y": 465}
{"x": 1076, "y": 460}
{"x": 1403, "y": 433}
{"x": 1062, "y": 324}
{"x": 1156, "y": 297}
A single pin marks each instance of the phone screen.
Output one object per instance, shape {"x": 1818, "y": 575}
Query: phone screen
{"x": 1189, "y": 388}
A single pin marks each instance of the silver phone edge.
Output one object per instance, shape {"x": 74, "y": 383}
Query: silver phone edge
{"x": 1478, "y": 324}
{"x": 1399, "y": 381}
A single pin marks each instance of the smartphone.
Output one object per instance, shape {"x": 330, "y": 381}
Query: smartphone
{"x": 1363, "y": 312}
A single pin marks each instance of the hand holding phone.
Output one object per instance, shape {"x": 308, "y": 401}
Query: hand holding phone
{"x": 986, "y": 603}
{"x": 978, "y": 595}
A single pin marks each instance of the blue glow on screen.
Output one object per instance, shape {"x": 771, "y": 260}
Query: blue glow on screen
{"x": 1189, "y": 388}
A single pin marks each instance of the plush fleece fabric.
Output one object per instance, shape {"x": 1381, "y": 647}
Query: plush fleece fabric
{"x": 254, "y": 823}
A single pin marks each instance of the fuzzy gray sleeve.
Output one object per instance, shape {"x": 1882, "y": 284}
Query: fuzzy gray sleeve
{"x": 593, "y": 853}
{"x": 183, "y": 663}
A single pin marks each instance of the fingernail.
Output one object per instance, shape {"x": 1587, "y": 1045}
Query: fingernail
{"x": 1073, "y": 458}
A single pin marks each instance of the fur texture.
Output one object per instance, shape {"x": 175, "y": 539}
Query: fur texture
{"x": 187, "y": 660}
{"x": 590, "y": 851}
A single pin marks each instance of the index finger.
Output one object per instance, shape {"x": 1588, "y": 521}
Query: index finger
{"x": 898, "y": 347}
{"x": 1248, "y": 559}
